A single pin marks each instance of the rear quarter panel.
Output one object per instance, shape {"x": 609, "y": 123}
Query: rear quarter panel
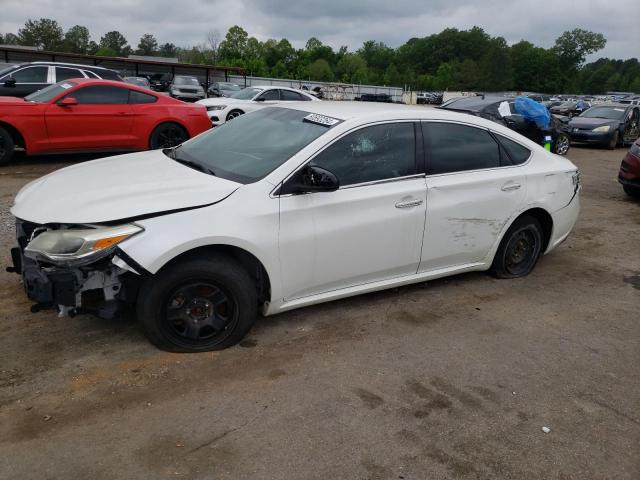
{"x": 148, "y": 116}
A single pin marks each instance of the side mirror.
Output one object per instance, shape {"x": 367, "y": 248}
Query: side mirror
{"x": 68, "y": 102}
{"x": 10, "y": 82}
{"x": 260, "y": 99}
{"x": 311, "y": 179}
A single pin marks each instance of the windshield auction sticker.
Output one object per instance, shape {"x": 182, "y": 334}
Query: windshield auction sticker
{"x": 321, "y": 119}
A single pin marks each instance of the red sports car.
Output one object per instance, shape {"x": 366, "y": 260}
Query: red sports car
{"x": 84, "y": 115}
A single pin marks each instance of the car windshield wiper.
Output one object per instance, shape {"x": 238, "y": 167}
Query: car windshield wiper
{"x": 193, "y": 164}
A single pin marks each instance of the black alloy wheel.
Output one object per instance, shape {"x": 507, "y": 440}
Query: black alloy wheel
{"x": 167, "y": 135}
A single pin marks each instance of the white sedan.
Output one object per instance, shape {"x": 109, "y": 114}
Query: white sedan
{"x": 250, "y": 99}
{"x": 286, "y": 207}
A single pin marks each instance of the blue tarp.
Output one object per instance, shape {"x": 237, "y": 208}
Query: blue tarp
{"x": 533, "y": 111}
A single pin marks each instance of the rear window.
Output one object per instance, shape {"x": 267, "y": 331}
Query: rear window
{"x": 517, "y": 153}
{"x": 136, "y": 97}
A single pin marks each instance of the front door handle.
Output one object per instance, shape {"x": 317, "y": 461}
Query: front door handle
{"x": 507, "y": 187}
{"x": 409, "y": 204}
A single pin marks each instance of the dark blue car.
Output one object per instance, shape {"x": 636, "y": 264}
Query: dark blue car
{"x": 609, "y": 125}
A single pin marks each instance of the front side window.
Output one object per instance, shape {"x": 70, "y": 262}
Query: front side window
{"x": 251, "y": 146}
{"x": 31, "y": 75}
{"x": 455, "y": 148}
{"x": 101, "y": 95}
{"x": 372, "y": 153}
{"x": 246, "y": 93}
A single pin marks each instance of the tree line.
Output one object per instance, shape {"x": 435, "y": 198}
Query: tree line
{"x": 450, "y": 60}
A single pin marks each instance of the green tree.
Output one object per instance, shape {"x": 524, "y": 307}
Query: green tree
{"x": 496, "y": 73}
{"x": 10, "y": 39}
{"x": 444, "y": 77}
{"x": 320, "y": 70}
{"x": 115, "y": 42}
{"x": 148, "y": 45}
{"x": 574, "y": 46}
{"x": 634, "y": 86}
{"x": 234, "y": 44}
{"x": 77, "y": 39}
{"x": 168, "y": 50}
{"x": 44, "y": 33}
{"x": 106, "y": 52}
{"x": 352, "y": 68}
{"x": 279, "y": 70}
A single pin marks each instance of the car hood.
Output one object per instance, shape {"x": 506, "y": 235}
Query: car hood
{"x": 585, "y": 122}
{"x": 221, "y": 101}
{"x": 116, "y": 188}
{"x": 6, "y": 101}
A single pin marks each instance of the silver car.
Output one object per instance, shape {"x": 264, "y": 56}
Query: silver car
{"x": 188, "y": 88}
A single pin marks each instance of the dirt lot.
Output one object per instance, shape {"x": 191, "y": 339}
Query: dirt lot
{"x": 450, "y": 379}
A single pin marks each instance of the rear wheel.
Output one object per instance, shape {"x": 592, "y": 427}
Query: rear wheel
{"x": 198, "y": 304}
{"x": 631, "y": 191}
{"x": 167, "y": 135}
{"x": 234, "y": 114}
{"x": 7, "y": 147}
{"x": 519, "y": 250}
{"x": 562, "y": 144}
{"x": 614, "y": 140}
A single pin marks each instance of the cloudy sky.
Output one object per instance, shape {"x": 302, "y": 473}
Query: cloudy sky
{"x": 339, "y": 22}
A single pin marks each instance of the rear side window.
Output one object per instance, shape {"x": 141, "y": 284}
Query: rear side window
{"x": 101, "y": 95}
{"x": 136, "y": 97}
{"x": 31, "y": 75}
{"x": 288, "y": 95}
{"x": 456, "y": 148}
{"x": 517, "y": 153}
{"x": 67, "y": 73}
{"x": 371, "y": 153}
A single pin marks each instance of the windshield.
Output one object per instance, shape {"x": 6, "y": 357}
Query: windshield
{"x": 228, "y": 86}
{"x": 50, "y": 92}
{"x": 186, "y": 81}
{"x": 6, "y": 69}
{"x": 251, "y": 146}
{"x": 246, "y": 93}
{"x": 611, "y": 113}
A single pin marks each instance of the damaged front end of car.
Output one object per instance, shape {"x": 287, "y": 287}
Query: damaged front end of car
{"x": 76, "y": 268}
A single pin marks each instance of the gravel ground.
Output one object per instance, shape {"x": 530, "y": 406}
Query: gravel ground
{"x": 454, "y": 378}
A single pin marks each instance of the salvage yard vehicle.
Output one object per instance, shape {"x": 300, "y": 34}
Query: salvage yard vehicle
{"x": 222, "y": 89}
{"x": 250, "y": 99}
{"x": 569, "y": 109}
{"x": 629, "y": 174}
{"x": 609, "y": 125}
{"x": 139, "y": 81}
{"x": 25, "y": 78}
{"x": 287, "y": 207}
{"x": 488, "y": 107}
{"x": 86, "y": 115}
{"x": 185, "y": 87}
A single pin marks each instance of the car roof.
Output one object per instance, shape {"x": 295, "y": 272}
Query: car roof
{"x": 268, "y": 87}
{"x": 63, "y": 64}
{"x": 477, "y": 103}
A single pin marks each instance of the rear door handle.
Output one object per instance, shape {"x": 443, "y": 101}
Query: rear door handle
{"x": 409, "y": 204}
{"x": 507, "y": 187}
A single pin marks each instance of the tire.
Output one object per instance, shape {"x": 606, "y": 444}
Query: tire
{"x": 167, "y": 135}
{"x": 631, "y": 191}
{"x": 7, "y": 147}
{"x": 513, "y": 258}
{"x": 234, "y": 114}
{"x": 198, "y": 304}
{"x": 614, "y": 141}
{"x": 562, "y": 144}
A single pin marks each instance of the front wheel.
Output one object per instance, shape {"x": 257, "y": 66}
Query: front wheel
{"x": 198, "y": 304}
{"x": 562, "y": 144}
{"x": 234, "y": 114}
{"x": 614, "y": 140}
{"x": 167, "y": 135}
{"x": 519, "y": 250}
{"x": 7, "y": 147}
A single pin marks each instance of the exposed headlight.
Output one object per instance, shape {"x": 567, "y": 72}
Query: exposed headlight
{"x": 604, "y": 128}
{"x": 78, "y": 246}
{"x": 216, "y": 107}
